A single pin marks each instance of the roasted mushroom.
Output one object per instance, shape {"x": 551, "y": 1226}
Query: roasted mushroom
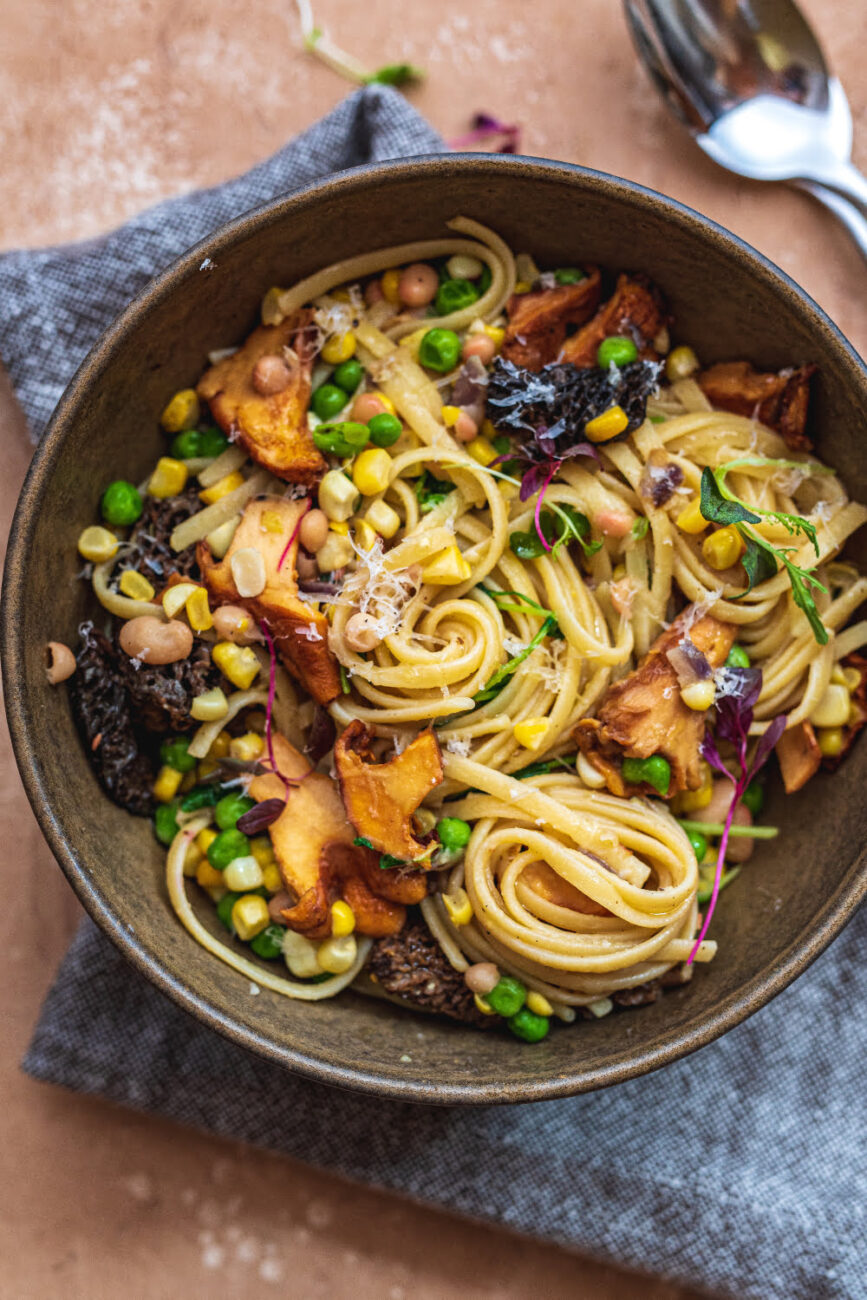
{"x": 270, "y": 425}
{"x": 538, "y": 320}
{"x": 313, "y": 845}
{"x": 635, "y": 310}
{"x": 380, "y": 798}
{"x": 780, "y": 400}
{"x": 799, "y": 756}
{"x": 300, "y": 633}
{"x": 643, "y": 714}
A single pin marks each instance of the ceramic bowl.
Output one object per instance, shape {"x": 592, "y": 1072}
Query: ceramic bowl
{"x": 728, "y": 302}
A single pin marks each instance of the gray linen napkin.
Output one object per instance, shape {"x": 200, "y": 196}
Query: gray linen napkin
{"x": 737, "y": 1171}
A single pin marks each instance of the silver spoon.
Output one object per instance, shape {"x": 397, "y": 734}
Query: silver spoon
{"x": 749, "y": 81}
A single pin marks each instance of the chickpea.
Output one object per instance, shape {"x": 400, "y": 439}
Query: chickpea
{"x": 465, "y": 427}
{"x": 721, "y": 797}
{"x": 418, "y": 285}
{"x": 271, "y": 375}
{"x": 59, "y": 662}
{"x": 150, "y": 639}
{"x": 236, "y": 624}
{"x": 482, "y": 978}
{"x": 313, "y": 530}
{"x": 479, "y": 345}
{"x": 277, "y": 904}
{"x": 613, "y": 523}
{"x": 366, "y": 406}
{"x": 740, "y": 847}
{"x": 361, "y": 633}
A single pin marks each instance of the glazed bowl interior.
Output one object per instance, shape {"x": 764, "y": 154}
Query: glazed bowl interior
{"x": 728, "y": 303}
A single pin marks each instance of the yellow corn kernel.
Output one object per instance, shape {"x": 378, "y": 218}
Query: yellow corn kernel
{"x": 481, "y": 450}
{"x": 539, "y": 1004}
{"x": 381, "y": 516}
{"x": 97, "y": 544}
{"x": 271, "y": 878}
{"x": 488, "y": 429}
{"x": 522, "y": 286}
{"x": 496, "y": 333}
{"x": 192, "y": 858}
{"x": 342, "y": 919}
{"x": 205, "y": 768}
{"x": 270, "y": 522}
{"x": 723, "y": 548}
{"x": 607, "y": 425}
{"x": 450, "y": 415}
{"x": 690, "y": 519}
{"x": 833, "y": 708}
{"x": 174, "y": 598}
{"x": 300, "y": 955}
{"x": 457, "y": 904}
{"x": 698, "y": 695}
{"x": 206, "y": 837}
{"x": 337, "y": 496}
{"x": 531, "y": 732}
{"x": 694, "y": 800}
{"x": 680, "y": 364}
{"x": 340, "y": 295}
{"x": 247, "y": 747}
{"x": 168, "y": 479}
{"x": 831, "y": 741}
{"x": 390, "y": 285}
{"x": 207, "y": 876}
{"x": 220, "y": 746}
{"x": 238, "y": 663}
{"x": 166, "y": 784}
{"x": 447, "y": 568}
{"x": 199, "y": 611}
{"x": 262, "y": 850}
{"x": 135, "y": 585}
{"x": 222, "y": 488}
{"x": 220, "y": 539}
{"x": 243, "y": 875}
{"x": 365, "y": 535}
{"x": 182, "y": 412}
{"x": 339, "y": 348}
{"x": 481, "y": 1005}
{"x": 386, "y": 401}
{"x": 271, "y": 310}
{"x": 250, "y": 915}
{"x": 852, "y": 678}
{"x": 210, "y": 706}
{"x": 336, "y": 955}
{"x": 336, "y": 552}
{"x": 618, "y": 572}
{"x": 341, "y": 527}
{"x": 371, "y": 471}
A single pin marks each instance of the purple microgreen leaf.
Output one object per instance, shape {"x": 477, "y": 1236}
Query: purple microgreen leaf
{"x": 263, "y": 815}
{"x": 322, "y": 735}
{"x": 766, "y": 744}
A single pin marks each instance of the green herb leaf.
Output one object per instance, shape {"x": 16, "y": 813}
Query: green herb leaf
{"x": 397, "y": 74}
{"x": 344, "y": 680}
{"x": 758, "y": 563}
{"x": 718, "y": 509}
{"x": 640, "y": 528}
{"x": 361, "y": 843}
{"x": 547, "y": 765}
{"x": 501, "y": 676}
{"x": 432, "y": 491}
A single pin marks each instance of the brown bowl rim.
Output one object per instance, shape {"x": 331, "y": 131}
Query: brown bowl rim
{"x": 669, "y": 1047}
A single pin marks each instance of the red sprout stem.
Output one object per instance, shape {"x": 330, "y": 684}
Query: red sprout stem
{"x": 536, "y": 513}
{"x": 295, "y": 531}
{"x": 720, "y": 860}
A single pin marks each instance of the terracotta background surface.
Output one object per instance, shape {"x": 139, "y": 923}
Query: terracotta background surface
{"x": 105, "y": 108}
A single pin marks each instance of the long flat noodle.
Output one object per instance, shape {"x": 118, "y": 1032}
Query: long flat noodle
{"x": 115, "y": 602}
{"x": 259, "y": 975}
{"x": 226, "y": 463}
{"x": 209, "y": 731}
{"x": 198, "y": 526}
{"x": 854, "y": 638}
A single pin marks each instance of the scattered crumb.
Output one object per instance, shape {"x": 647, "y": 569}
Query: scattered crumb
{"x": 254, "y": 990}
{"x": 405, "y": 1059}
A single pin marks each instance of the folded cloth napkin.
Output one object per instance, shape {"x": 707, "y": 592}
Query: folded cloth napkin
{"x": 737, "y": 1171}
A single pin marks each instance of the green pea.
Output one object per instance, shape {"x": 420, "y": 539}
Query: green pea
{"x": 228, "y": 845}
{"x": 754, "y": 798}
{"x": 454, "y": 833}
{"x": 501, "y": 444}
{"x": 385, "y": 429}
{"x": 737, "y": 657}
{"x": 121, "y": 504}
{"x": 166, "y": 822}
{"x": 507, "y": 996}
{"x": 230, "y": 808}
{"x": 615, "y": 350}
{"x": 455, "y": 295}
{"x": 348, "y": 375}
{"x": 569, "y": 275}
{"x": 213, "y": 441}
{"x": 440, "y": 350}
{"x": 656, "y": 771}
{"x": 224, "y": 909}
{"x": 268, "y": 943}
{"x": 527, "y": 546}
{"x": 187, "y": 445}
{"x": 527, "y": 1025}
{"x": 173, "y": 753}
{"x": 699, "y": 844}
{"x": 327, "y": 401}
{"x": 342, "y": 439}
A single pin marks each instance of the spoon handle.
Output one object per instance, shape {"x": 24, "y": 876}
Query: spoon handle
{"x": 843, "y": 210}
{"x": 845, "y": 178}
